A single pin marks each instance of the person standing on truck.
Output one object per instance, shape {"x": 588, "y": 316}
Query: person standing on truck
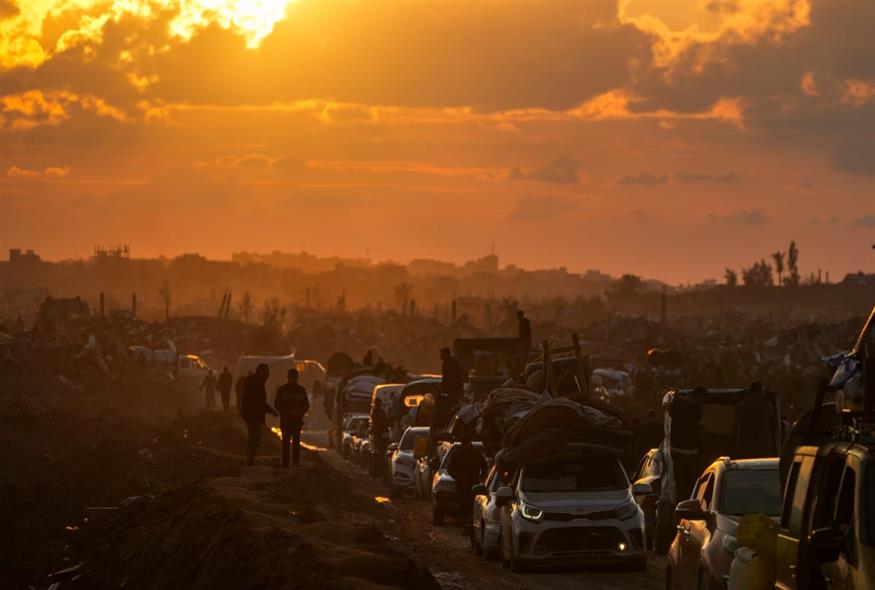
{"x": 450, "y": 391}
{"x": 208, "y": 386}
{"x": 755, "y": 421}
{"x": 253, "y": 408}
{"x": 525, "y": 338}
{"x": 292, "y": 404}
{"x": 224, "y": 386}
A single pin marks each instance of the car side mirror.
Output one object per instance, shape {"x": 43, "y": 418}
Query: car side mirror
{"x": 641, "y": 488}
{"x": 503, "y": 495}
{"x": 691, "y": 510}
{"x": 392, "y": 448}
{"x": 826, "y": 544}
{"x": 478, "y": 490}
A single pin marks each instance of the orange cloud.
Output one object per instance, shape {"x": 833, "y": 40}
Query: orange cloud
{"x": 808, "y": 85}
{"x": 17, "y": 172}
{"x": 49, "y": 172}
{"x": 858, "y": 92}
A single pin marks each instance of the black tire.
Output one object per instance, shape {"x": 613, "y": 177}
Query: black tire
{"x": 437, "y": 517}
{"x": 476, "y": 542}
{"x": 664, "y": 536}
{"x": 639, "y": 565}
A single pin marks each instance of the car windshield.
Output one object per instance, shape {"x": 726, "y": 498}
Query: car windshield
{"x": 749, "y": 491}
{"x": 581, "y": 474}
{"x": 407, "y": 440}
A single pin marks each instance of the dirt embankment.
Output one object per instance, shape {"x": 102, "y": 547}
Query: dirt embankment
{"x": 199, "y": 517}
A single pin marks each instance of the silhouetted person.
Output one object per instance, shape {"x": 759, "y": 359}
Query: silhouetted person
{"x": 239, "y": 388}
{"x": 450, "y": 391}
{"x": 224, "y": 386}
{"x": 651, "y": 432}
{"x": 466, "y": 467}
{"x": 525, "y": 338}
{"x": 685, "y": 415}
{"x": 208, "y": 386}
{"x": 755, "y": 417}
{"x": 292, "y": 403}
{"x": 253, "y": 408}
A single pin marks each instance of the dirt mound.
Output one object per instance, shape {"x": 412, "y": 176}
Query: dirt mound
{"x": 253, "y": 531}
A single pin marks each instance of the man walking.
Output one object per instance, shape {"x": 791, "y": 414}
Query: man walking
{"x": 253, "y": 407}
{"x": 292, "y": 403}
{"x": 224, "y": 387}
{"x": 239, "y": 388}
{"x": 208, "y": 386}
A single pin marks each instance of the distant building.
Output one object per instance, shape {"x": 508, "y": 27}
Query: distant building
{"x": 19, "y": 258}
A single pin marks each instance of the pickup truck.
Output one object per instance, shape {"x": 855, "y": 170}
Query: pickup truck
{"x": 827, "y": 531}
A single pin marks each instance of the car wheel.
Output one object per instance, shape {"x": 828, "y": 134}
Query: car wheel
{"x": 437, "y": 517}
{"x": 664, "y": 536}
{"x": 477, "y": 542}
{"x": 639, "y": 565}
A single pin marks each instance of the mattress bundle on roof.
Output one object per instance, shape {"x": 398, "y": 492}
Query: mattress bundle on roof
{"x": 562, "y": 425}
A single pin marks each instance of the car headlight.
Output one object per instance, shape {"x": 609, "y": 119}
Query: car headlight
{"x": 730, "y": 543}
{"x": 532, "y": 513}
{"x": 627, "y": 510}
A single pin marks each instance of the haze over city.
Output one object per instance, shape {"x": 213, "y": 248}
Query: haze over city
{"x": 664, "y": 139}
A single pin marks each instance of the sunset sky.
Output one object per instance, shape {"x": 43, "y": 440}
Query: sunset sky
{"x": 667, "y": 139}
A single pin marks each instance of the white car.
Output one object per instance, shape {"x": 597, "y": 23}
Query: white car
{"x": 574, "y": 508}
{"x": 355, "y": 426}
{"x": 402, "y": 464}
{"x": 486, "y": 518}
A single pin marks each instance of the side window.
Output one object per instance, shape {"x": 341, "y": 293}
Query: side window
{"x": 706, "y": 492}
{"x": 641, "y": 470}
{"x": 846, "y": 509}
{"x": 699, "y": 488}
{"x": 788, "y": 494}
{"x": 795, "y": 496}
{"x": 824, "y": 503}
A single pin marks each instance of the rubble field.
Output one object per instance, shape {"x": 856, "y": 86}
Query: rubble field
{"x": 99, "y": 482}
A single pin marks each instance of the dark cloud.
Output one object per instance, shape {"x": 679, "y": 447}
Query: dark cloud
{"x": 867, "y": 220}
{"x": 752, "y": 217}
{"x": 724, "y": 178}
{"x": 562, "y": 170}
{"x": 644, "y": 179}
{"x": 533, "y": 209}
{"x": 855, "y": 156}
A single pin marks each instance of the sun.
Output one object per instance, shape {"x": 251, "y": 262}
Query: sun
{"x": 251, "y": 19}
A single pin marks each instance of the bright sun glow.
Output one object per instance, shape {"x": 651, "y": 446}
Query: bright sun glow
{"x": 252, "y": 19}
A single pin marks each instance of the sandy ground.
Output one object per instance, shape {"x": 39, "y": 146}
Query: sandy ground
{"x": 447, "y": 552}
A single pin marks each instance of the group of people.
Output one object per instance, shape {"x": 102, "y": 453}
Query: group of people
{"x": 290, "y": 404}
{"x": 222, "y": 384}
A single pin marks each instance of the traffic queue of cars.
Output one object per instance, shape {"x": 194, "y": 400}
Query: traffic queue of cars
{"x": 731, "y": 499}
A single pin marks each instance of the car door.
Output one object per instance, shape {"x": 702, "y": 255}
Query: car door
{"x": 700, "y": 530}
{"x": 691, "y": 532}
{"x": 686, "y": 558}
{"x": 792, "y": 515}
{"x": 845, "y": 519}
{"x": 481, "y": 502}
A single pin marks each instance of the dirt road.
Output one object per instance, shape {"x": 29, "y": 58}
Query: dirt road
{"x": 447, "y": 552}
